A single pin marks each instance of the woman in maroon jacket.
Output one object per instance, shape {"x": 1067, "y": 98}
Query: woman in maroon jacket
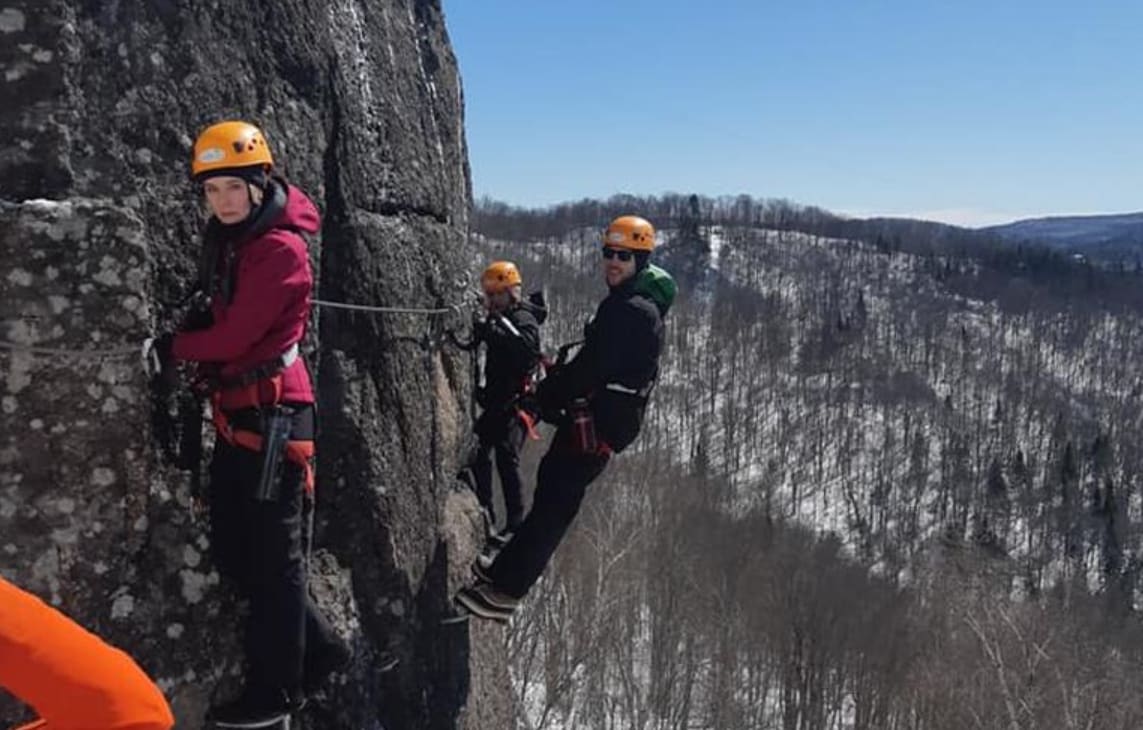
{"x": 256, "y": 274}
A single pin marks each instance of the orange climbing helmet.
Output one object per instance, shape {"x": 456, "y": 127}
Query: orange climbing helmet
{"x": 500, "y": 276}
{"x": 230, "y": 147}
{"x": 630, "y": 232}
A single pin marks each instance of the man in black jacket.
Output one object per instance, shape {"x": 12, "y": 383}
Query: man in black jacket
{"x": 597, "y": 401}
{"x": 511, "y": 334}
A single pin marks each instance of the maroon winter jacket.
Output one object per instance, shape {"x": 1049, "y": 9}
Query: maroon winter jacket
{"x": 267, "y": 314}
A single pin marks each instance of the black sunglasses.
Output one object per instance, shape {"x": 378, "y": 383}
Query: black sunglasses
{"x": 617, "y": 253}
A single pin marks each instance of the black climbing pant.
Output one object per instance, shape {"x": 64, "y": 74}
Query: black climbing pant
{"x": 561, "y": 483}
{"x": 502, "y": 434}
{"x": 258, "y": 546}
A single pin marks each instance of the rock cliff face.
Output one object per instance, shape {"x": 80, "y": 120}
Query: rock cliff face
{"x": 361, "y": 101}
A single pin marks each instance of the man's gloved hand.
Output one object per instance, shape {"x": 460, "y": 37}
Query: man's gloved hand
{"x": 480, "y": 329}
{"x": 481, "y": 396}
{"x": 157, "y": 359}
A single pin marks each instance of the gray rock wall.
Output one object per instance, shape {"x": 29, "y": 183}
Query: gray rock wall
{"x": 361, "y": 101}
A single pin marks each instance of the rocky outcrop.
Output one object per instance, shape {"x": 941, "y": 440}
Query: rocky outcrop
{"x": 361, "y": 100}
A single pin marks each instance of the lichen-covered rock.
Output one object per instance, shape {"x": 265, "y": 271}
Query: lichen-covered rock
{"x": 73, "y": 468}
{"x": 361, "y": 101}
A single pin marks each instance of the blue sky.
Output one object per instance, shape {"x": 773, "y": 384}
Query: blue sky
{"x": 970, "y": 112}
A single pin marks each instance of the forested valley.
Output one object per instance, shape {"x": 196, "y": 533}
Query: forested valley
{"x": 890, "y": 479}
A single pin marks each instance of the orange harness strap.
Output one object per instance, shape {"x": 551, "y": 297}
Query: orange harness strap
{"x": 529, "y": 423}
{"x": 299, "y": 452}
{"x": 267, "y": 391}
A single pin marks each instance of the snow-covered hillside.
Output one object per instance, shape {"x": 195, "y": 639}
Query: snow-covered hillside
{"x": 875, "y": 398}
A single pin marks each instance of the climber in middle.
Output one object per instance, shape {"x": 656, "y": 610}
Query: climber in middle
{"x": 510, "y": 331}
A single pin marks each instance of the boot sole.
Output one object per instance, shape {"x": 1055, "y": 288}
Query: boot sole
{"x": 281, "y": 722}
{"x": 480, "y": 609}
{"x": 460, "y": 617}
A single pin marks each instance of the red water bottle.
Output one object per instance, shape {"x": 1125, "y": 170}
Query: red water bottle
{"x": 583, "y": 426}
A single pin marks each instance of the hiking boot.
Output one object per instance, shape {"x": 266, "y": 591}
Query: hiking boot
{"x": 486, "y": 602}
{"x": 257, "y": 709}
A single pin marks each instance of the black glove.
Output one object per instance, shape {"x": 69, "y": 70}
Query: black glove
{"x": 197, "y": 318}
{"x": 205, "y": 379}
{"x": 199, "y": 315}
{"x": 481, "y": 396}
{"x": 480, "y": 329}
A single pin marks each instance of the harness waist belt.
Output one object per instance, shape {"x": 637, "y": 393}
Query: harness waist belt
{"x": 301, "y": 452}
{"x": 264, "y": 370}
